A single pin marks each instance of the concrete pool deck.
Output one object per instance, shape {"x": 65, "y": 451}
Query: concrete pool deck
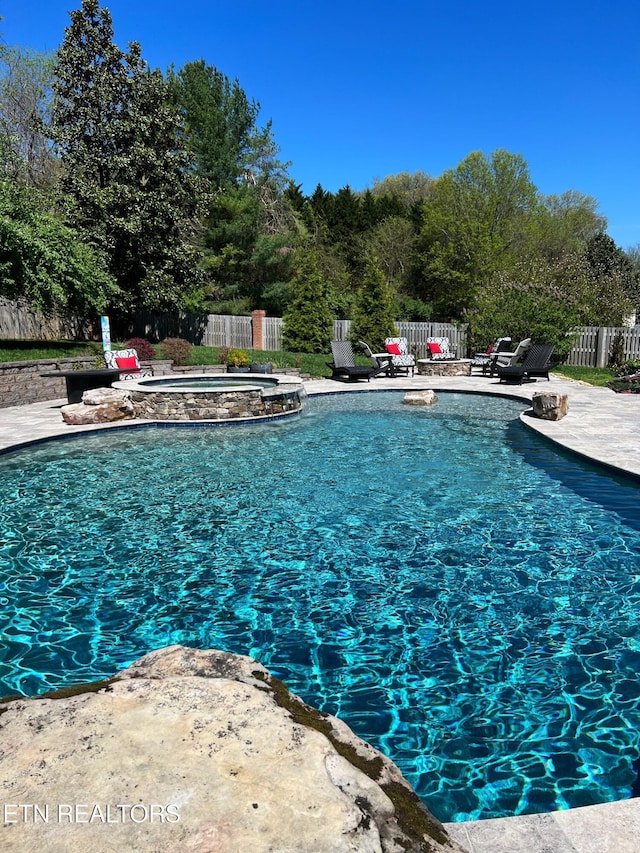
{"x": 600, "y": 425}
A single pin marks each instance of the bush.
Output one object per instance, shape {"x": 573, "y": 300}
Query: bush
{"x": 223, "y": 354}
{"x": 143, "y": 347}
{"x": 176, "y": 349}
{"x": 628, "y": 368}
{"x": 238, "y": 358}
{"x": 616, "y": 353}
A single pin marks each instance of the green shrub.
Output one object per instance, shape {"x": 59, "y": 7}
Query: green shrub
{"x": 238, "y": 358}
{"x": 629, "y": 367}
{"x": 176, "y": 349}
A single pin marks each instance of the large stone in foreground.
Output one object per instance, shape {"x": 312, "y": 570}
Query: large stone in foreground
{"x": 99, "y": 405}
{"x": 192, "y": 750}
{"x": 550, "y": 405}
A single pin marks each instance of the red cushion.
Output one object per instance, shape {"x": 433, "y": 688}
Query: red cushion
{"x": 435, "y": 349}
{"x": 130, "y": 363}
{"x": 491, "y": 348}
{"x": 393, "y": 349}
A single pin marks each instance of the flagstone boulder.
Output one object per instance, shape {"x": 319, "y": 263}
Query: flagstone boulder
{"x": 99, "y": 405}
{"x": 550, "y": 405}
{"x": 200, "y": 751}
{"x": 420, "y": 398}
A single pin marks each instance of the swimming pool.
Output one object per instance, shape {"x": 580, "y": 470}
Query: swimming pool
{"x": 463, "y": 595}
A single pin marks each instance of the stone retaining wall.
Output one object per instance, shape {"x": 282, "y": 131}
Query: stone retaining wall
{"x": 213, "y": 405}
{"x": 21, "y": 381}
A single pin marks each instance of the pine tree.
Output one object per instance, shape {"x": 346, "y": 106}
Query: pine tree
{"x": 125, "y": 180}
{"x": 373, "y": 319}
{"x": 308, "y": 321}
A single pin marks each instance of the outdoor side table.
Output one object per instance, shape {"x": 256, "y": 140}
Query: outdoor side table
{"x": 79, "y": 381}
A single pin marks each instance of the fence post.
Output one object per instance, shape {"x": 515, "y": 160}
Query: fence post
{"x": 257, "y": 329}
{"x": 602, "y": 355}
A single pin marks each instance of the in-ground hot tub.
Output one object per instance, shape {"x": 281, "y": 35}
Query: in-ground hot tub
{"x": 215, "y": 397}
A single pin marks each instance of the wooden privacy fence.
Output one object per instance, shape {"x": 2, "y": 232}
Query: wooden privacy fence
{"x": 416, "y": 334}
{"x": 261, "y": 332}
{"x": 19, "y": 323}
{"x": 592, "y": 347}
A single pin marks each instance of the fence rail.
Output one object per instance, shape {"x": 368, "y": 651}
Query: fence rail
{"x": 592, "y": 347}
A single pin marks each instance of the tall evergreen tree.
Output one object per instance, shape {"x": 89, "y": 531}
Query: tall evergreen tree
{"x": 125, "y": 178}
{"x": 308, "y": 321}
{"x": 373, "y": 319}
{"x": 219, "y": 121}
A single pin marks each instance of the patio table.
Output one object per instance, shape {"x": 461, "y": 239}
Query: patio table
{"x": 79, "y": 381}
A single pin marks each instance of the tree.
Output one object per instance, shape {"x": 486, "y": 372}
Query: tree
{"x": 25, "y": 85}
{"x": 566, "y": 223}
{"x": 125, "y": 179}
{"x": 410, "y": 189}
{"x": 373, "y": 319}
{"x": 477, "y": 219}
{"x": 546, "y": 301}
{"x": 43, "y": 261}
{"x": 218, "y": 121}
{"x": 615, "y": 279}
{"x": 393, "y": 243}
{"x": 308, "y": 321}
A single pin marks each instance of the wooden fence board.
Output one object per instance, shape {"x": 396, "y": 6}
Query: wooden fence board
{"x": 592, "y": 347}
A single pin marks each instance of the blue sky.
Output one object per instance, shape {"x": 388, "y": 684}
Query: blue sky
{"x": 360, "y": 91}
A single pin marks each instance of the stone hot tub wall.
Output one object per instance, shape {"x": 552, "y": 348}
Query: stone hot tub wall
{"x": 201, "y": 405}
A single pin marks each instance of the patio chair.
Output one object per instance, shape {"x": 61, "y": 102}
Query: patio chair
{"x": 536, "y": 363}
{"x": 508, "y": 359}
{"x": 402, "y": 361}
{"x": 126, "y": 361}
{"x": 484, "y": 359}
{"x": 344, "y": 363}
{"x": 380, "y": 360}
{"x": 440, "y": 348}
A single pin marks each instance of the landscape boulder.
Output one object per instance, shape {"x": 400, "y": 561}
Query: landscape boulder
{"x": 420, "y": 398}
{"x": 99, "y": 405}
{"x": 201, "y": 751}
{"x": 550, "y": 405}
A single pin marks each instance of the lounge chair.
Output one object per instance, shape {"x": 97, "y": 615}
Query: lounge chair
{"x": 344, "y": 363}
{"x": 380, "y": 360}
{"x": 127, "y": 362}
{"x": 536, "y": 363}
{"x": 402, "y": 361}
{"x": 484, "y": 359}
{"x": 508, "y": 359}
{"x": 440, "y": 348}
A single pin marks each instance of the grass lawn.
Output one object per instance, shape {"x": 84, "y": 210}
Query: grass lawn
{"x": 29, "y": 350}
{"x": 591, "y": 375}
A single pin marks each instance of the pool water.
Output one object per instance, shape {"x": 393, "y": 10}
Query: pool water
{"x": 464, "y": 596}
{"x": 211, "y": 382}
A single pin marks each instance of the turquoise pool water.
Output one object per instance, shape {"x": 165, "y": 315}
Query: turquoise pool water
{"x": 213, "y": 381}
{"x": 464, "y": 596}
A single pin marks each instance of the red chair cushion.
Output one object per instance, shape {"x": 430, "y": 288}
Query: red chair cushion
{"x": 130, "y": 363}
